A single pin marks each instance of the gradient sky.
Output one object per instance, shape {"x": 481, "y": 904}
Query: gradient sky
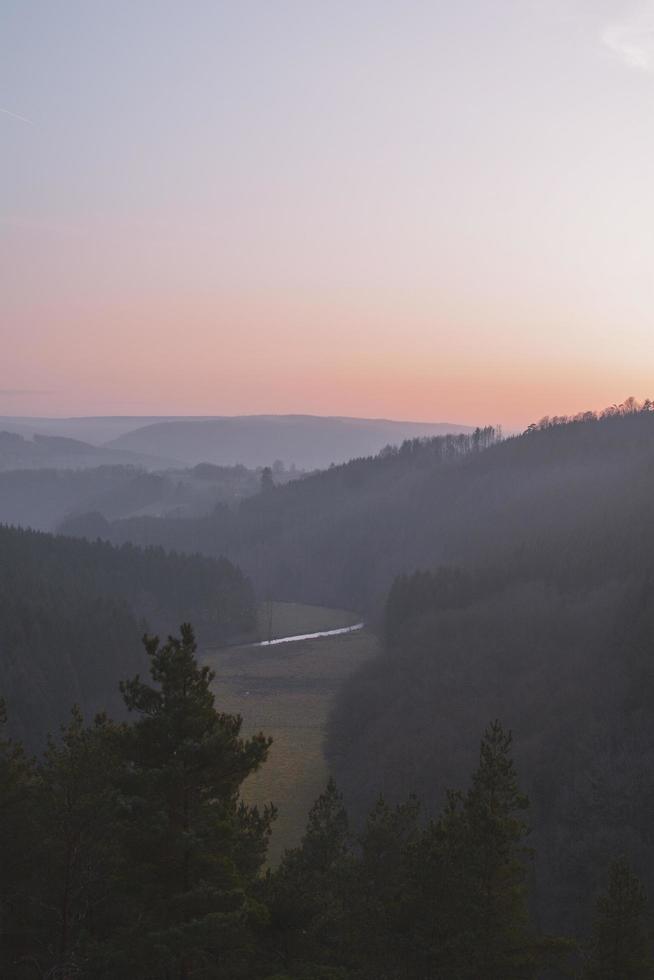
{"x": 433, "y": 210}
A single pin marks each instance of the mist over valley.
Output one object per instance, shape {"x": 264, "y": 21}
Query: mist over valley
{"x": 326, "y": 490}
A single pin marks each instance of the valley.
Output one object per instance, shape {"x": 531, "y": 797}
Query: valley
{"x": 327, "y": 491}
{"x": 287, "y": 691}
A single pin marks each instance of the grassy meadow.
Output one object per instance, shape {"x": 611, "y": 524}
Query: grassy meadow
{"x": 286, "y": 691}
{"x": 277, "y": 619}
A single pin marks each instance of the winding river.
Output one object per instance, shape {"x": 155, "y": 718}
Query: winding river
{"x": 308, "y": 636}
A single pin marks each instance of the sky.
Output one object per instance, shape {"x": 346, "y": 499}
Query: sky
{"x": 417, "y": 209}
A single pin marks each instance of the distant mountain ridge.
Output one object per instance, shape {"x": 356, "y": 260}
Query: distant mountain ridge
{"x": 308, "y": 441}
{"x": 37, "y": 451}
{"x": 96, "y": 429}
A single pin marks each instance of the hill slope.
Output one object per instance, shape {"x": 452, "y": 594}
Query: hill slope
{"x": 328, "y": 539}
{"x": 36, "y": 451}
{"x": 72, "y": 614}
{"x": 340, "y": 537}
{"x": 541, "y": 612}
{"x": 310, "y": 442}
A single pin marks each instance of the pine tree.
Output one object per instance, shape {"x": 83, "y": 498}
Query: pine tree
{"x": 16, "y": 861}
{"x": 621, "y": 946}
{"x": 469, "y": 874}
{"x": 381, "y": 925}
{"x": 327, "y": 835}
{"x": 193, "y": 848}
{"x": 308, "y": 893}
{"x": 76, "y": 809}
{"x": 495, "y": 828}
{"x": 438, "y": 895}
{"x": 267, "y": 481}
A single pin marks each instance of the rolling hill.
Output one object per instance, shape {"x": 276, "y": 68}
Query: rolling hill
{"x": 339, "y": 537}
{"x": 309, "y": 442}
{"x": 37, "y": 451}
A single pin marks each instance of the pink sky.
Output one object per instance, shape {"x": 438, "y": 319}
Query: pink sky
{"x": 416, "y": 211}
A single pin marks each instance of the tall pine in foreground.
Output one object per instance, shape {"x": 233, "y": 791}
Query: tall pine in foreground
{"x": 192, "y": 848}
{"x": 495, "y": 828}
{"x": 308, "y": 894}
{"x": 380, "y": 927}
{"x": 470, "y": 878}
{"x": 621, "y": 944}
{"x": 405, "y": 901}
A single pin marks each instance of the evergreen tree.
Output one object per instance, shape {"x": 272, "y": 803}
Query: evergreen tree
{"x": 16, "y": 808}
{"x": 192, "y": 848}
{"x": 381, "y": 923}
{"x": 471, "y": 915}
{"x": 495, "y": 829}
{"x": 621, "y": 947}
{"x": 308, "y": 893}
{"x": 267, "y": 482}
{"x": 438, "y": 896}
{"x": 76, "y": 848}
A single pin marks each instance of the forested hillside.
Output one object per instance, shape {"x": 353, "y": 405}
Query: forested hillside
{"x": 341, "y": 536}
{"x": 72, "y": 613}
{"x": 336, "y": 537}
{"x": 553, "y": 630}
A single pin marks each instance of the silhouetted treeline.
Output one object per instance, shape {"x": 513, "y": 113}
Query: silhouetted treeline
{"x": 71, "y": 613}
{"x": 630, "y": 406}
{"x": 127, "y": 853}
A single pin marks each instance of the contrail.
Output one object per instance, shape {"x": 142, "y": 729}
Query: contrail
{"x": 15, "y": 115}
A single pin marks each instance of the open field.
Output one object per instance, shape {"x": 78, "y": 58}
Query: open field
{"x": 278, "y": 619}
{"x": 286, "y": 691}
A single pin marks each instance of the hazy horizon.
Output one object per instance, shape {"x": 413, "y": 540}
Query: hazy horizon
{"x": 379, "y": 210}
